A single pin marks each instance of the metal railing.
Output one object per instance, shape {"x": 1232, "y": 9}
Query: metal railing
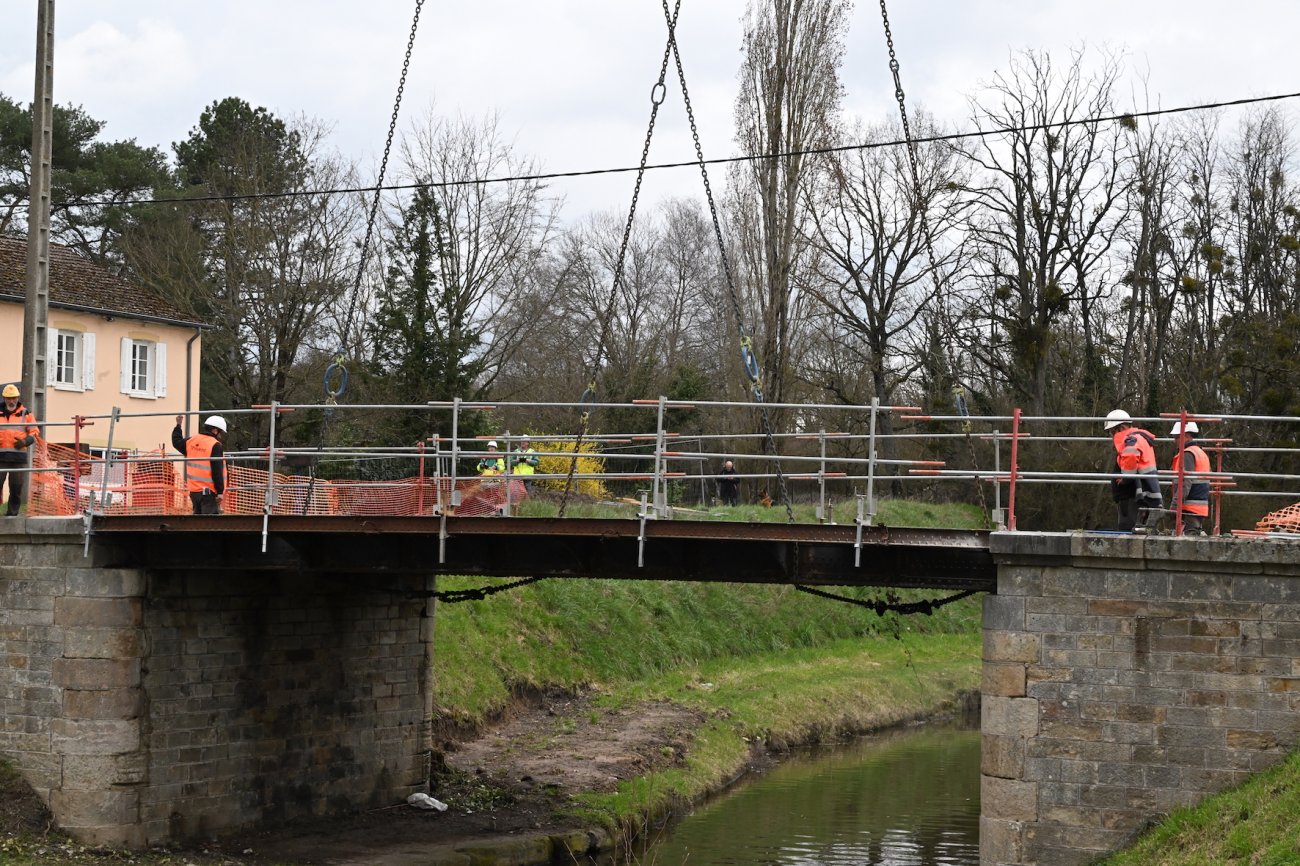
{"x": 820, "y": 461}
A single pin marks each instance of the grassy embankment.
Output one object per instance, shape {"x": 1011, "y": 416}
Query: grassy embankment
{"x": 1257, "y": 824}
{"x": 783, "y": 666}
{"x": 765, "y": 664}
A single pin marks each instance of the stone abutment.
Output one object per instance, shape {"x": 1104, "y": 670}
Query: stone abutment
{"x": 161, "y": 706}
{"x": 1125, "y": 676}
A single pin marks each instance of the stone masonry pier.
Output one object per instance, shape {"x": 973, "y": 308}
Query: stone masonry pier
{"x": 167, "y": 705}
{"x": 1125, "y": 676}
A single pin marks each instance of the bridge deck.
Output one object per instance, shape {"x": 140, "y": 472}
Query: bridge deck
{"x": 593, "y": 548}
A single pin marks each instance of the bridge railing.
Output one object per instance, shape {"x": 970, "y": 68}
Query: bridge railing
{"x": 878, "y": 444}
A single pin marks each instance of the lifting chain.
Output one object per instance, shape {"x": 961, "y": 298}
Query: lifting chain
{"x": 657, "y": 94}
{"x": 453, "y": 596}
{"x": 747, "y": 355}
{"x": 926, "y": 235}
{"x": 881, "y": 607}
{"x": 383, "y": 163}
{"x": 336, "y": 371}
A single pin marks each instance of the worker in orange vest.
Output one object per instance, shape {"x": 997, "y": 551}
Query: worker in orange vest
{"x": 18, "y": 432}
{"x": 1138, "y": 486}
{"x": 1196, "y": 486}
{"x": 204, "y": 463}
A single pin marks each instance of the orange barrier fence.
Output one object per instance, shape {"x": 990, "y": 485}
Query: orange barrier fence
{"x": 66, "y": 483}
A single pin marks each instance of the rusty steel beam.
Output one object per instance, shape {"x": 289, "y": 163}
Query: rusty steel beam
{"x": 672, "y": 550}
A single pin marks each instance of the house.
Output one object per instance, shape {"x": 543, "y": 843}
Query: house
{"x": 111, "y": 343}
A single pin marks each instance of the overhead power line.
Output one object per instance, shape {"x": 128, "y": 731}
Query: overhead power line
{"x": 1127, "y": 116}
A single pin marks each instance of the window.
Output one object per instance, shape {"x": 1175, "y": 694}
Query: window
{"x": 140, "y": 378}
{"x": 144, "y": 368}
{"x": 65, "y": 359}
{"x": 70, "y": 360}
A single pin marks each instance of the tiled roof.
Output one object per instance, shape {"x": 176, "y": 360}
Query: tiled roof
{"x": 76, "y": 282}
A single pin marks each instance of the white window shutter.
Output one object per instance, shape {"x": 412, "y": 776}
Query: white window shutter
{"x": 88, "y": 361}
{"x": 51, "y": 355}
{"x": 160, "y": 370}
{"x": 126, "y": 365}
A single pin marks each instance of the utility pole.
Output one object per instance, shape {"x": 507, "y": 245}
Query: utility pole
{"x": 36, "y": 307}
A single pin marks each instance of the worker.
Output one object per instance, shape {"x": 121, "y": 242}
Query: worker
{"x": 204, "y": 463}
{"x": 1195, "y": 506}
{"x": 1137, "y": 491}
{"x": 729, "y": 484}
{"x": 18, "y": 433}
{"x": 492, "y": 464}
{"x": 526, "y": 462}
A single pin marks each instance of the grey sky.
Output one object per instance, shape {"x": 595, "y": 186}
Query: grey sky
{"x": 571, "y": 78}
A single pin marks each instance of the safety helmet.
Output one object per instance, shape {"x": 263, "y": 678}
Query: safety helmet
{"x": 1117, "y": 417}
{"x": 492, "y": 443}
{"x": 10, "y": 391}
{"x": 216, "y": 421}
{"x": 1178, "y": 428}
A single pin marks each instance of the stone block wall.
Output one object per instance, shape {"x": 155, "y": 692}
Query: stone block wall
{"x": 155, "y": 707}
{"x": 273, "y": 697}
{"x": 1125, "y": 676}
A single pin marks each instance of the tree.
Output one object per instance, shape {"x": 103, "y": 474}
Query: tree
{"x": 266, "y": 272}
{"x": 83, "y": 169}
{"x": 426, "y": 344}
{"x": 875, "y": 279}
{"x": 789, "y": 95}
{"x": 1046, "y": 213}
{"x": 489, "y": 236}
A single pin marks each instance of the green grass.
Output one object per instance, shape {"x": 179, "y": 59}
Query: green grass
{"x": 571, "y": 633}
{"x": 889, "y": 512}
{"x": 798, "y": 696}
{"x": 1257, "y": 824}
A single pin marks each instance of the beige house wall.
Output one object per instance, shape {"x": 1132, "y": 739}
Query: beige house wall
{"x": 107, "y": 332}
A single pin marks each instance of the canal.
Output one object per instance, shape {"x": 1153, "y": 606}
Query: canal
{"x": 900, "y": 798}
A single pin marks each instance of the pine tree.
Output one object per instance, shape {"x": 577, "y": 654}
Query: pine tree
{"x": 427, "y": 344}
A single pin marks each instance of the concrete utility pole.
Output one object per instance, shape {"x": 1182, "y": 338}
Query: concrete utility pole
{"x": 36, "y": 308}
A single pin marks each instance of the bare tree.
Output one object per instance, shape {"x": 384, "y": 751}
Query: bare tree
{"x": 491, "y": 235}
{"x": 1046, "y": 211}
{"x": 873, "y": 277}
{"x": 789, "y": 96}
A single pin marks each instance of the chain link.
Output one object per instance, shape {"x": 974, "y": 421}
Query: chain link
{"x": 926, "y": 235}
{"x": 657, "y": 94}
{"x": 746, "y": 343}
{"x": 452, "y": 596}
{"x": 383, "y": 163}
{"x": 882, "y": 606}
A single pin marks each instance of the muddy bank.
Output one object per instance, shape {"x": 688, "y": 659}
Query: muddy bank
{"x": 508, "y": 790}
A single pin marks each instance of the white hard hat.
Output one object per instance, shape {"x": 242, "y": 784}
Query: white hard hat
{"x": 492, "y": 443}
{"x": 1178, "y": 428}
{"x": 216, "y": 421}
{"x": 1117, "y": 417}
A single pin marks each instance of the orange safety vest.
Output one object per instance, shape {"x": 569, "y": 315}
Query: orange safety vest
{"x": 198, "y": 462}
{"x": 1196, "y": 490}
{"x": 16, "y": 426}
{"x": 1135, "y": 454}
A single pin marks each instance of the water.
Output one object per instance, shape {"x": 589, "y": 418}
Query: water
{"x": 906, "y": 798}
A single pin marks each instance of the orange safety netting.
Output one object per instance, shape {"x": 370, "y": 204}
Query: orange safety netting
{"x": 152, "y": 483}
{"x": 1283, "y": 520}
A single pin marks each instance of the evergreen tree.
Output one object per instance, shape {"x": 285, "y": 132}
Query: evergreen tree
{"x": 427, "y": 345}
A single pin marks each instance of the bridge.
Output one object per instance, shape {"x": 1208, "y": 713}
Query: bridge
{"x": 170, "y": 676}
{"x": 935, "y": 559}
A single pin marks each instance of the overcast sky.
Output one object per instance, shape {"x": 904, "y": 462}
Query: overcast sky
{"x": 571, "y": 78}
